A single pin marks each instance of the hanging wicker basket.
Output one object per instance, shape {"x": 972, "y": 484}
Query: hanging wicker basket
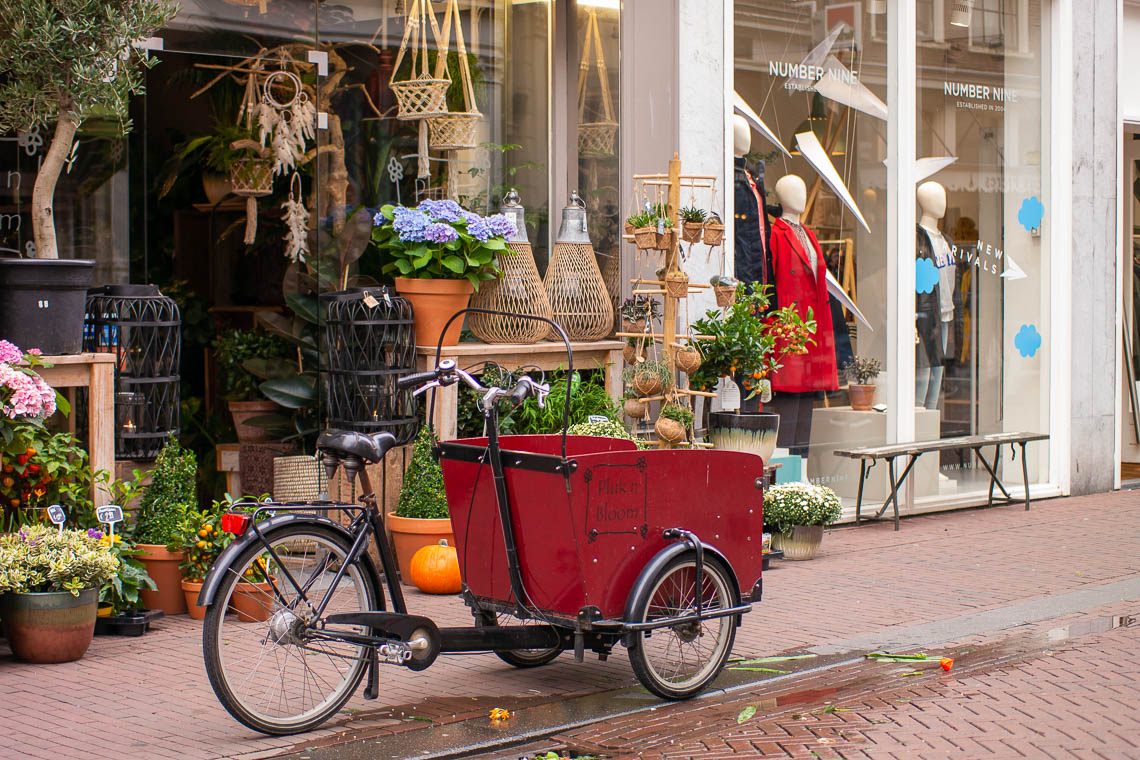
{"x": 688, "y": 359}
{"x": 597, "y": 138}
{"x": 725, "y": 295}
{"x": 637, "y": 325}
{"x": 635, "y": 408}
{"x": 677, "y": 284}
{"x": 645, "y": 238}
{"x": 664, "y": 240}
{"x": 421, "y": 97}
{"x": 454, "y": 131}
{"x": 252, "y": 177}
{"x": 647, "y": 383}
{"x": 669, "y": 430}
{"x": 714, "y": 232}
{"x": 691, "y": 231}
{"x": 423, "y": 94}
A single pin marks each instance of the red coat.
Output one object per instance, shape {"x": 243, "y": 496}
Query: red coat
{"x": 796, "y": 285}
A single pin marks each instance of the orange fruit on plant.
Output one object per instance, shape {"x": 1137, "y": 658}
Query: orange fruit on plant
{"x": 435, "y": 569}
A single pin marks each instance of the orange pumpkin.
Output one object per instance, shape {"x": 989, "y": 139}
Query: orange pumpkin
{"x": 435, "y": 569}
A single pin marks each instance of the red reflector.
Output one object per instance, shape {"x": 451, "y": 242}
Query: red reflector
{"x": 236, "y": 524}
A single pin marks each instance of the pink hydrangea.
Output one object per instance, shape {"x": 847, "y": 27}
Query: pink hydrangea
{"x": 24, "y": 394}
{"x": 9, "y": 353}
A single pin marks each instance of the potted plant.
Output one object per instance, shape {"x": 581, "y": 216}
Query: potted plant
{"x": 724, "y": 287}
{"x": 634, "y": 407}
{"x": 673, "y": 423}
{"x": 421, "y": 517}
{"x": 644, "y": 230}
{"x": 796, "y": 514}
{"x": 861, "y": 371}
{"x": 648, "y": 378}
{"x": 119, "y": 598}
{"x": 692, "y": 224}
{"x": 49, "y": 591}
{"x": 171, "y": 493}
{"x": 747, "y": 345}
{"x": 200, "y": 539}
{"x": 438, "y": 253}
{"x": 688, "y": 357}
{"x": 65, "y": 64}
{"x": 714, "y": 230}
{"x": 214, "y": 154}
{"x": 233, "y": 350}
{"x": 637, "y": 312}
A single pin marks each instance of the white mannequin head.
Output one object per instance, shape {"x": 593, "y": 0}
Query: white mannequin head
{"x": 792, "y": 194}
{"x": 931, "y": 203}
{"x": 741, "y": 135}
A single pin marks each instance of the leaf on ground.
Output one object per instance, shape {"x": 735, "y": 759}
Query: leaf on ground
{"x": 913, "y": 673}
{"x": 746, "y": 713}
{"x": 421, "y": 717}
{"x": 831, "y": 710}
{"x": 786, "y": 658}
{"x": 884, "y": 657}
{"x": 760, "y": 670}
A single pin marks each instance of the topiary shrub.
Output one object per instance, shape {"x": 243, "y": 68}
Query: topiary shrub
{"x": 172, "y": 491}
{"x": 422, "y": 495}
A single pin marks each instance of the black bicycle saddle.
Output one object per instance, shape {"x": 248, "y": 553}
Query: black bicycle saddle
{"x": 369, "y": 447}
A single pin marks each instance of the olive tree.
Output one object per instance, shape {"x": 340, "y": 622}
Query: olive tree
{"x": 62, "y": 61}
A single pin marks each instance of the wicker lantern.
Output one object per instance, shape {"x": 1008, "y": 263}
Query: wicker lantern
{"x": 371, "y": 345}
{"x": 578, "y": 296}
{"x": 143, "y": 329}
{"x": 518, "y": 291}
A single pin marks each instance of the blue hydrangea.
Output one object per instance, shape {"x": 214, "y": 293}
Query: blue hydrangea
{"x": 501, "y": 225}
{"x": 440, "y": 233}
{"x": 410, "y": 224}
{"x": 479, "y": 229}
{"x": 441, "y": 211}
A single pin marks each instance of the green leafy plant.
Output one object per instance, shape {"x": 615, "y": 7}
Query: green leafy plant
{"x": 171, "y": 493}
{"x": 660, "y": 370}
{"x": 608, "y": 429}
{"x": 201, "y": 539}
{"x": 261, "y": 349}
{"x": 41, "y": 558}
{"x": 749, "y": 341}
{"x": 862, "y": 370}
{"x": 723, "y": 279}
{"x": 422, "y": 495}
{"x": 211, "y": 152}
{"x": 643, "y": 219}
{"x": 790, "y": 504}
{"x": 440, "y": 240}
{"x": 677, "y": 413}
{"x": 63, "y": 61}
{"x": 693, "y": 215}
{"x": 122, "y": 590}
{"x": 639, "y": 307}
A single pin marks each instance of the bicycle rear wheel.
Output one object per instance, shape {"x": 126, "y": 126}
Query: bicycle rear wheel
{"x": 265, "y": 665}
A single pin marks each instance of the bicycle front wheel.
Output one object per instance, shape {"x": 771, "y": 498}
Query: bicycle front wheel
{"x": 264, "y": 662}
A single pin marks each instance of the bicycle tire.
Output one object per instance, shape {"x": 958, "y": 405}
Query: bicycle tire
{"x": 671, "y": 594}
{"x": 230, "y": 636}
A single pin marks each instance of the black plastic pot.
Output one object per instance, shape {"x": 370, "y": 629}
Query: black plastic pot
{"x": 43, "y": 303}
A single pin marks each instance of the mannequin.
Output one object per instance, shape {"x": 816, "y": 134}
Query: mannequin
{"x": 751, "y": 223}
{"x": 800, "y": 276}
{"x": 934, "y": 311}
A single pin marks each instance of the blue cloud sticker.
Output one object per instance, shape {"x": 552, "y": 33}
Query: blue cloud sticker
{"x": 1027, "y": 340}
{"x": 1031, "y": 213}
{"x": 925, "y": 275}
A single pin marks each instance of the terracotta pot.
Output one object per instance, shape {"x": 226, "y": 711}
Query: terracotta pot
{"x": 190, "y": 591}
{"x": 49, "y": 626}
{"x": 862, "y": 396}
{"x": 410, "y": 534}
{"x": 802, "y": 544}
{"x": 433, "y": 303}
{"x": 245, "y": 410}
{"x": 253, "y": 602}
{"x": 162, "y": 566}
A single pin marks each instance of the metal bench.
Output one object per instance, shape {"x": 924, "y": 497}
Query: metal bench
{"x": 915, "y": 449}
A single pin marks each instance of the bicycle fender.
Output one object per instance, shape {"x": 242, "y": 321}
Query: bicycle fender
{"x": 645, "y": 578}
{"x": 243, "y": 542}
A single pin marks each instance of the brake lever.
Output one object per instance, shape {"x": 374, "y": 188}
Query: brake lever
{"x": 541, "y": 391}
{"x": 428, "y": 386}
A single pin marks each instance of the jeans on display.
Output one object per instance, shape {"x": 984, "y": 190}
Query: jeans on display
{"x": 928, "y": 380}
{"x": 795, "y": 410}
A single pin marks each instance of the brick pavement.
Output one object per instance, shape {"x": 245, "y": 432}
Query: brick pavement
{"x": 1008, "y": 696}
{"x": 130, "y": 695}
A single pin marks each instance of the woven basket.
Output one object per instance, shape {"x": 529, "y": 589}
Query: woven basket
{"x": 454, "y": 131}
{"x": 725, "y": 295}
{"x": 635, "y": 408}
{"x": 714, "y": 233}
{"x": 645, "y": 238}
{"x": 677, "y": 284}
{"x": 691, "y": 231}
{"x": 647, "y": 384}
{"x": 669, "y": 430}
{"x": 597, "y": 138}
{"x": 688, "y": 359}
{"x": 634, "y": 326}
{"x": 664, "y": 240}
{"x": 629, "y": 353}
{"x": 629, "y": 228}
{"x": 579, "y": 299}
{"x": 519, "y": 291}
{"x": 252, "y": 177}
{"x": 298, "y": 478}
{"x": 421, "y": 97}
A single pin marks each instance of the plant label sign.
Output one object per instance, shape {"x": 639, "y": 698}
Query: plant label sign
{"x": 110, "y": 514}
{"x": 57, "y": 515}
{"x": 595, "y": 418}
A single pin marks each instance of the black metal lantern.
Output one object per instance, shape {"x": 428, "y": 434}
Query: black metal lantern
{"x": 371, "y": 344}
{"x": 143, "y": 329}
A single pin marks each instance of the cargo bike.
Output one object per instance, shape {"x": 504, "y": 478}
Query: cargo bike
{"x": 564, "y": 542}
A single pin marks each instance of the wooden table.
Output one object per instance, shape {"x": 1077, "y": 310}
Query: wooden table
{"x": 602, "y": 354}
{"x": 96, "y": 373}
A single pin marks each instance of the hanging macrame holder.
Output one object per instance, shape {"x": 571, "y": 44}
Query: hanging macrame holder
{"x": 456, "y": 131}
{"x": 595, "y": 138}
{"x": 252, "y": 178}
{"x": 422, "y": 95}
